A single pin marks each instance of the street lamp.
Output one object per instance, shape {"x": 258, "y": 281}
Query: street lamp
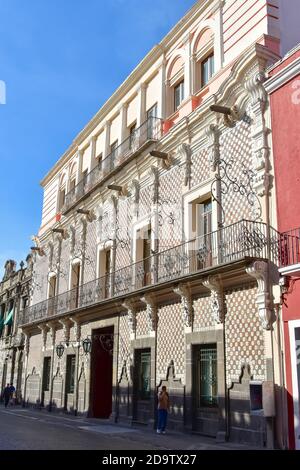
{"x": 87, "y": 346}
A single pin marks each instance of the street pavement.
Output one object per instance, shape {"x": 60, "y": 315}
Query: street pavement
{"x": 26, "y": 429}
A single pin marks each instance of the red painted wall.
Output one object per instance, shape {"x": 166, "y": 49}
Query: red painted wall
{"x": 285, "y": 108}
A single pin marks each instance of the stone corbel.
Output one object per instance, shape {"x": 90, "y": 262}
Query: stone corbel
{"x": 187, "y": 308}
{"x": 213, "y": 135}
{"x": 52, "y": 327}
{"x": 259, "y": 270}
{"x": 152, "y": 316}
{"x": 77, "y": 329}
{"x": 184, "y": 152}
{"x": 230, "y": 120}
{"x": 129, "y": 305}
{"x": 218, "y": 303}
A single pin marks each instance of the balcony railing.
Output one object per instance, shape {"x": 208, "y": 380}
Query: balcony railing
{"x": 150, "y": 131}
{"x": 289, "y": 254}
{"x": 244, "y": 239}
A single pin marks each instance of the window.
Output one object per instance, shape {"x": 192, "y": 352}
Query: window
{"x": 72, "y": 184}
{"x": 24, "y": 302}
{"x": 52, "y": 287}
{"x": 105, "y": 271}
{"x": 207, "y": 69}
{"x": 2, "y": 314}
{"x": 75, "y": 283}
{"x": 206, "y": 376}
{"x": 143, "y": 374}
{"x": 85, "y": 176}
{"x": 113, "y": 150}
{"x": 46, "y": 374}
{"x": 147, "y": 257}
{"x": 70, "y": 374}
{"x": 178, "y": 95}
{"x": 99, "y": 161}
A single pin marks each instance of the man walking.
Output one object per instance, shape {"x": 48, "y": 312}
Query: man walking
{"x": 163, "y": 408}
{"x": 6, "y": 395}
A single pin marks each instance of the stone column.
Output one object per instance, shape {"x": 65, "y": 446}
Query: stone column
{"x": 79, "y": 165}
{"x": 93, "y": 161}
{"x": 161, "y": 111}
{"x": 123, "y": 127}
{"x": 218, "y": 38}
{"x": 26, "y": 355}
{"x": 77, "y": 327}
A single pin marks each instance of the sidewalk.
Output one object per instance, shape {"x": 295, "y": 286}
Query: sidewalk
{"x": 171, "y": 441}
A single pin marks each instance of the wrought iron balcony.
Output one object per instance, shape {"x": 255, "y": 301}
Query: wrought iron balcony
{"x": 243, "y": 240}
{"x": 289, "y": 253}
{"x": 150, "y": 131}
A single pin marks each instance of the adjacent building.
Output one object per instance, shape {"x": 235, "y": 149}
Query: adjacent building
{"x": 283, "y": 87}
{"x": 157, "y": 254}
{"x": 15, "y": 291}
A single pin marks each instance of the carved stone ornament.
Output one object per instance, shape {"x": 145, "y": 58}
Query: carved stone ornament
{"x": 149, "y": 300}
{"x": 135, "y": 193}
{"x": 187, "y": 308}
{"x": 154, "y": 180}
{"x": 259, "y": 270}
{"x": 184, "y": 152}
{"x": 72, "y": 240}
{"x": 213, "y": 135}
{"x": 44, "y": 330}
{"x": 218, "y": 304}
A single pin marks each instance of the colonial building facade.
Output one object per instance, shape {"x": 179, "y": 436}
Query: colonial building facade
{"x": 15, "y": 291}
{"x": 284, "y": 89}
{"x": 156, "y": 258}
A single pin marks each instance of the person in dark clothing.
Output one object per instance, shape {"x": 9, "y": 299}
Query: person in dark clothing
{"x": 6, "y": 395}
{"x": 12, "y": 394}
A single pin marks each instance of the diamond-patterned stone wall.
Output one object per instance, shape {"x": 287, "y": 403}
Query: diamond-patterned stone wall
{"x": 203, "y": 318}
{"x": 170, "y": 341}
{"x": 244, "y": 335}
{"x": 40, "y": 279}
{"x": 235, "y": 148}
{"x": 200, "y": 166}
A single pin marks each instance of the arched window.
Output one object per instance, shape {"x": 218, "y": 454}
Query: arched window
{"x": 175, "y": 83}
{"x": 204, "y": 58}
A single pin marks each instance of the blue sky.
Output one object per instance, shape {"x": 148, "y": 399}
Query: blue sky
{"x": 60, "y": 61}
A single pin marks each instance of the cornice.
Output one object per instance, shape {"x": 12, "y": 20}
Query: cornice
{"x": 285, "y": 75}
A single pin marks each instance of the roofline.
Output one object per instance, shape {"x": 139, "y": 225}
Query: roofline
{"x": 154, "y": 54}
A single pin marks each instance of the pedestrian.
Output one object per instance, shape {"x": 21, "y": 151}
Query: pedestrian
{"x": 163, "y": 409}
{"x": 6, "y": 395}
{"x": 12, "y": 394}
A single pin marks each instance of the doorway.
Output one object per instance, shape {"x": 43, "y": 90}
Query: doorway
{"x": 294, "y": 327}
{"x": 102, "y": 373}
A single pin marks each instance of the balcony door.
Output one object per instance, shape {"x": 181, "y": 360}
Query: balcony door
{"x": 151, "y": 122}
{"x": 202, "y": 214}
{"x": 294, "y": 329}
